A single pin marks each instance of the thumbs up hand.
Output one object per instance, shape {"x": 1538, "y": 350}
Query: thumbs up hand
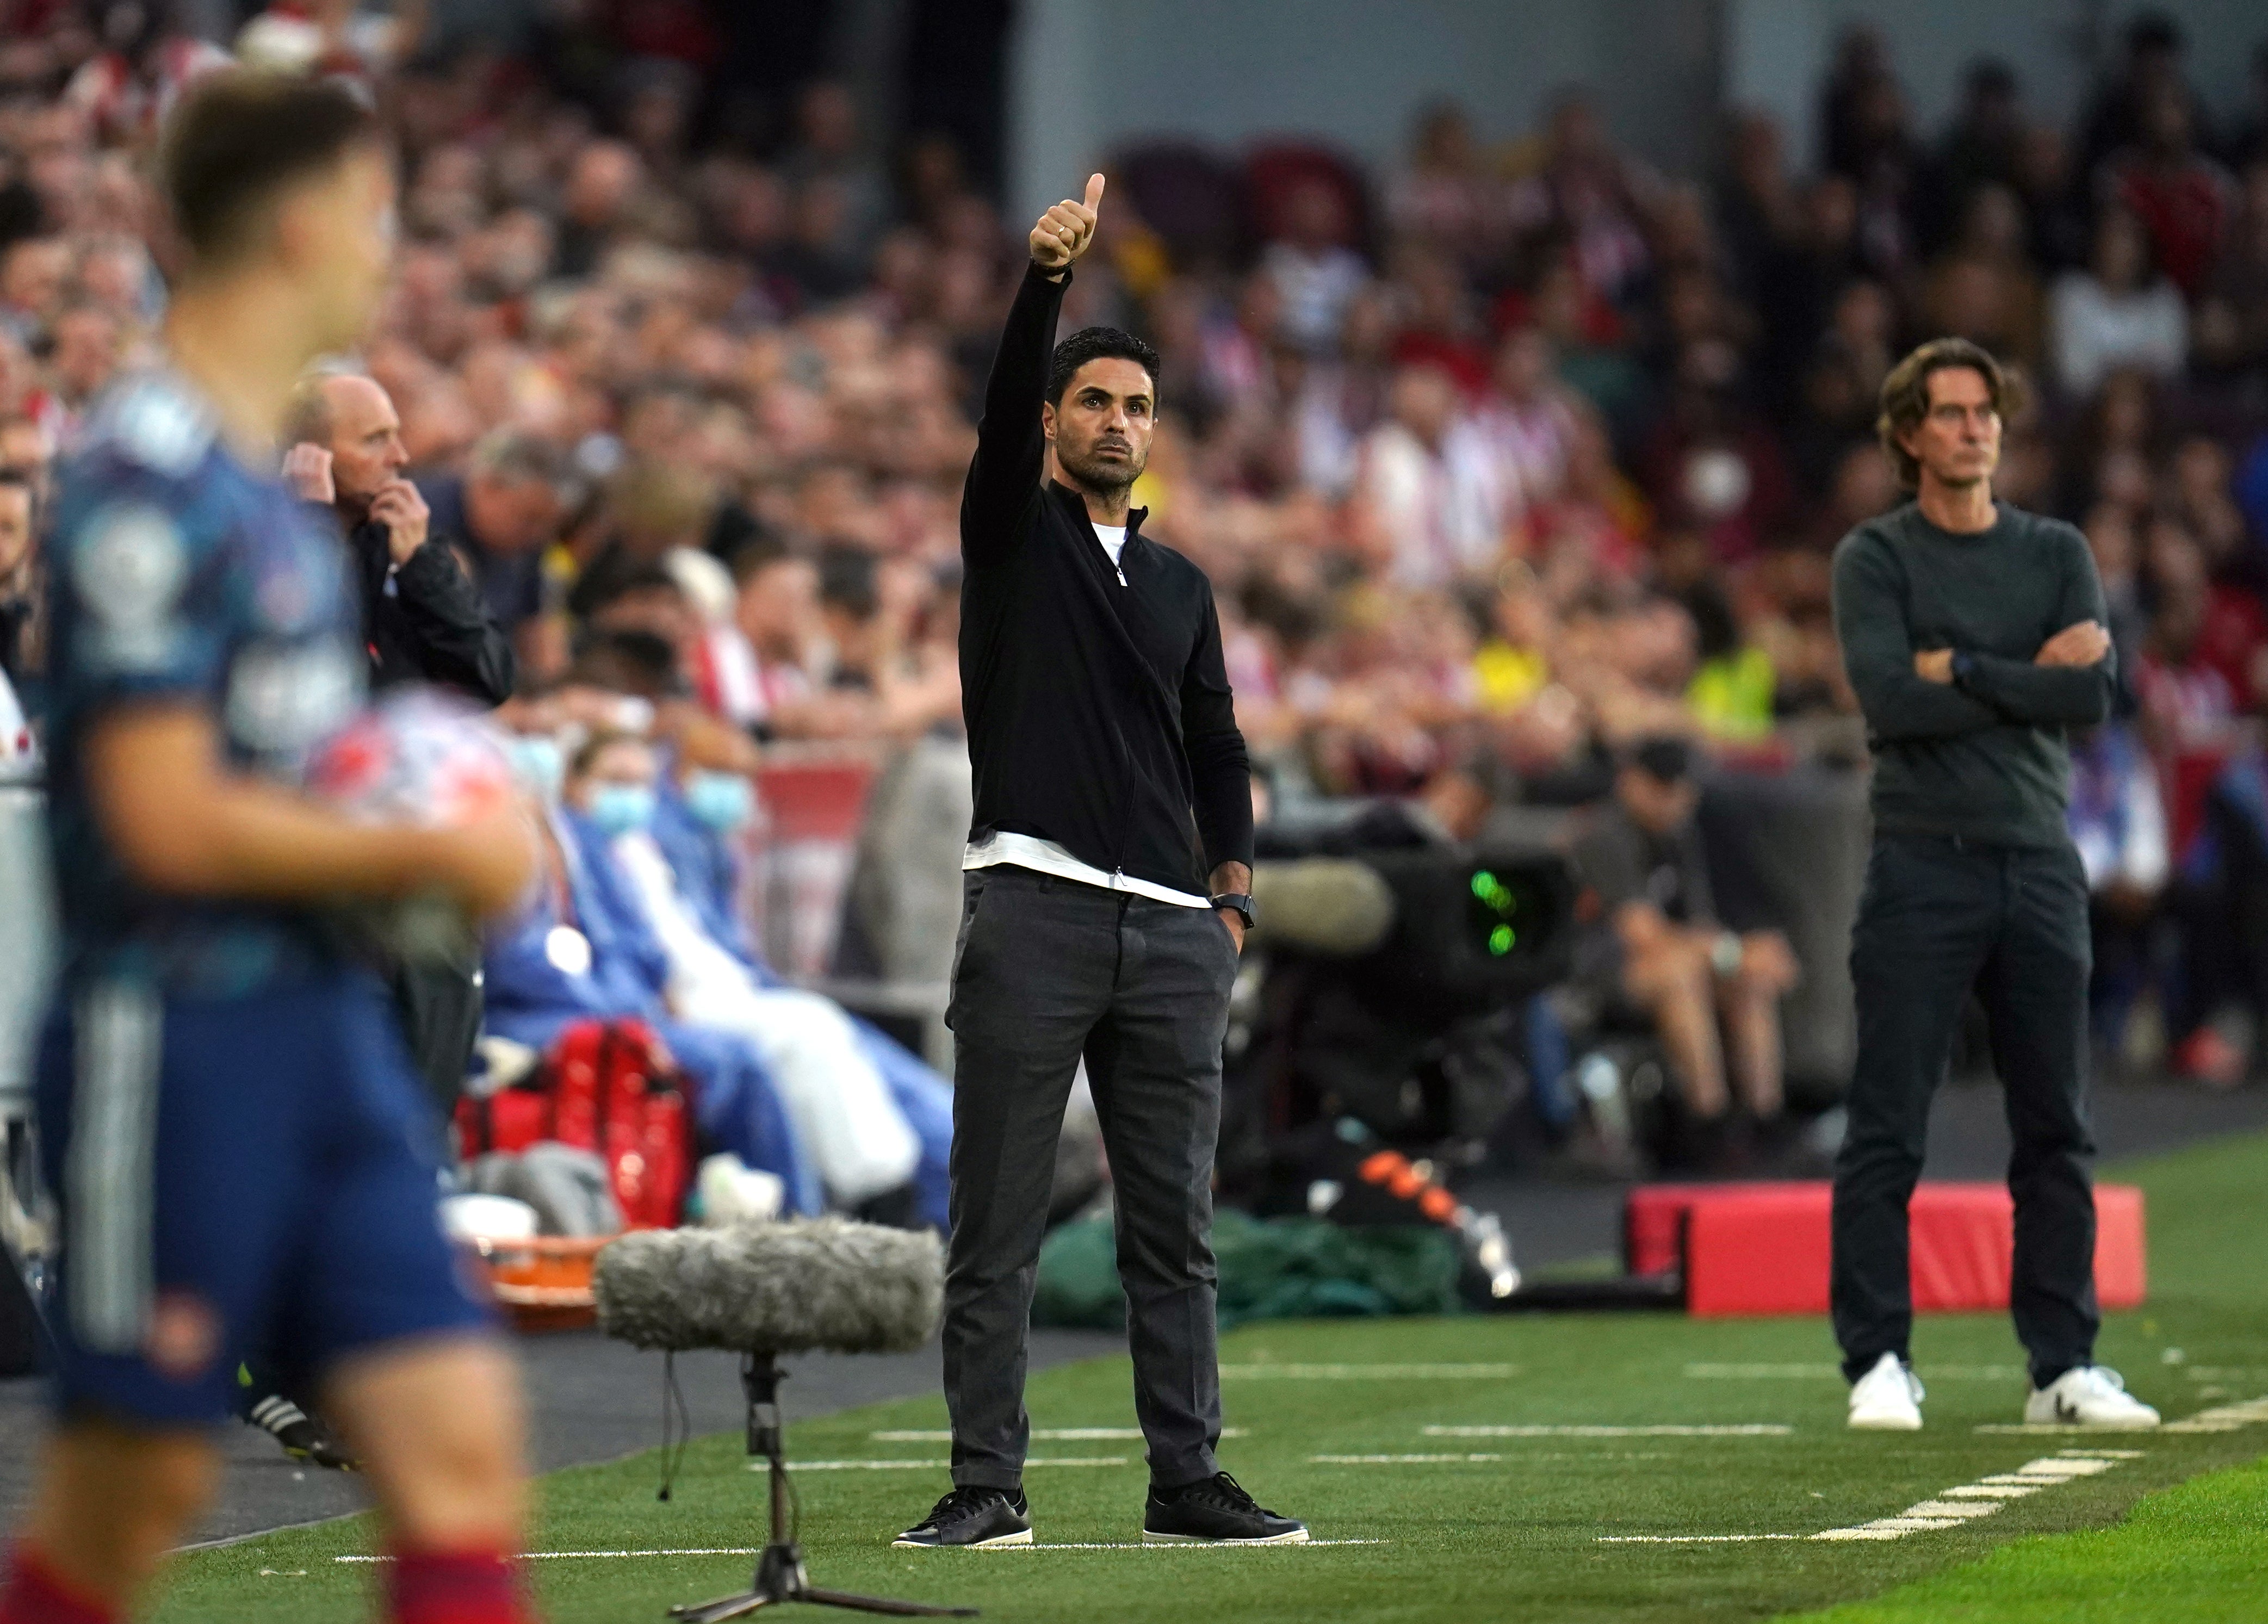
{"x": 1064, "y": 231}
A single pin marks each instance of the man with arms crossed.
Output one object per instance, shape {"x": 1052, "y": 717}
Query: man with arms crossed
{"x": 1108, "y": 890}
{"x": 239, "y": 1144}
{"x": 1973, "y": 635}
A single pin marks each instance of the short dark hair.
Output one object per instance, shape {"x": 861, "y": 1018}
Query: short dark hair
{"x": 1096, "y": 344}
{"x": 1906, "y": 395}
{"x": 1664, "y": 757}
{"x": 759, "y": 553}
{"x": 239, "y": 138}
{"x": 847, "y": 583}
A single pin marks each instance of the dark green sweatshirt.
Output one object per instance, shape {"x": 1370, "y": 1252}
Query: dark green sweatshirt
{"x": 1985, "y": 757}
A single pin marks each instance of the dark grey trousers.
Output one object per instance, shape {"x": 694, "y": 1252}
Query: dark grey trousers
{"x": 1939, "y": 917}
{"x": 1047, "y": 971}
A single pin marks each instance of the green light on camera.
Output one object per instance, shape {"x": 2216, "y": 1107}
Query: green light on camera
{"x": 1484, "y": 883}
{"x": 1500, "y": 940}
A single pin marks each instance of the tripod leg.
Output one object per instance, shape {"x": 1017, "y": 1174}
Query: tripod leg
{"x": 722, "y": 1607}
{"x": 877, "y": 1604}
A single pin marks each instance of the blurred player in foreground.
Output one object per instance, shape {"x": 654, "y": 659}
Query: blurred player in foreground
{"x": 232, "y": 1124}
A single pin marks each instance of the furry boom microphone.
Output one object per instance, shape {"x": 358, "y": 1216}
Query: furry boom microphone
{"x": 781, "y": 1288}
{"x": 761, "y": 1290}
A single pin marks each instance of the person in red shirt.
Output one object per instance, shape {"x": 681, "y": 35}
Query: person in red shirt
{"x": 2183, "y": 198}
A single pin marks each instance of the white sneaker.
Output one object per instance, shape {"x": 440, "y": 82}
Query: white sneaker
{"x": 1888, "y": 1398}
{"x": 2089, "y": 1395}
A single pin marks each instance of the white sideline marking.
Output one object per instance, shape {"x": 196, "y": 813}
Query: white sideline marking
{"x": 1044, "y": 1435}
{"x": 1366, "y": 1372}
{"x": 1691, "y": 1539}
{"x": 1992, "y": 1491}
{"x": 1965, "y": 1503}
{"x": 1191, "y": 1545}
{"x": 1759, "y": 1431}
{"x": 1950, "y": 1508}
{"x": 1822, "y": 1372}
{"x": 1399, "y": 1461}
{"x": 932, "y": 1466}
{"x": 2222, "y": 1418}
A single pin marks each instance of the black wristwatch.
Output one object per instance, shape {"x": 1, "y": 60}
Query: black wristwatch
{"x": 1238, "y": 903}
{"x": 1962, "y": 667}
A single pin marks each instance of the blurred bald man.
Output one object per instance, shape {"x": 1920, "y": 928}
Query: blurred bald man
{"x": 423, "y": 620}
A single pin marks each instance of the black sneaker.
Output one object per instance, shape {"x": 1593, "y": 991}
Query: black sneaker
{"x": 972, "y": 1516}
{"x": 302, "y": 1436}
{"x": 1214, "y": 1510}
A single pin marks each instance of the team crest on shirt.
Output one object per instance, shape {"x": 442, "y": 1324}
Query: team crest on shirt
{"x": 129, "y": 574}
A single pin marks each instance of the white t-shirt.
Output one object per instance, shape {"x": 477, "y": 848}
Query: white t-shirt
{"x": 1113, "y": 538}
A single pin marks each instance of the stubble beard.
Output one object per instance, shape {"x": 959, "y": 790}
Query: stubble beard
{"x": 1104, "y": 478}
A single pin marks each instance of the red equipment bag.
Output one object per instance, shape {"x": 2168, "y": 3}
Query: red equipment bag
{"x": 605, "y": 1086}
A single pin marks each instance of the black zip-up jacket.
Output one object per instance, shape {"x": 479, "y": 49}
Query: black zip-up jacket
{"x": 432, "y": 626}
{"x": 1100, "y": 716}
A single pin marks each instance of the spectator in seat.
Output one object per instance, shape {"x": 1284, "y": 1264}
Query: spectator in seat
{"x": 21, "y": 588}
{"x": 1984, "y": 288}
{"x": 504, "y": 512}
{"x": 2182, "y": 197}
{"x": 844, "y": 1107}
{"x": 1314, "y": 271}
{"x": 1429, "y": 490}
{"x": 1657, "y": 955}
{"x": 2225, "y": 890}
{"x": 700, "y": 812}
{"x": 2190, "y": 690}
{"x": 1527, "y": 418}
{"x": 2117, "y": 820}
{"x": 2116, "y": 312}
{"x": 568, "y": 958}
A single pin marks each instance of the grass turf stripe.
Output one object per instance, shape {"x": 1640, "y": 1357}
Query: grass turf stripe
{"x": 1272, "y": 1371}
{"x": 1755, "y": 1429}
{"x": 1039, "y": 1435}
{"x": 794, "y": 1466}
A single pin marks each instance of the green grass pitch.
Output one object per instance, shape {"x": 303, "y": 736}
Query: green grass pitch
{"x": 1512, "y": 1527}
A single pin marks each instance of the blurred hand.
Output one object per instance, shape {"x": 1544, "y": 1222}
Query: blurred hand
{"x": 2083, "y": 644}
{"x": 1064, "y": 231}
{"x": 1767, "y": 961}
{"x": 403, "y": 513}
{"x": 308, "y": 474}
{"x": 487, "y": 864}
{"x": 1933, "y": 665}
{"x": 1234, "y": 921}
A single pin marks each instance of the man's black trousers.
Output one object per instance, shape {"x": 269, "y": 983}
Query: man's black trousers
{"x": 1939, "y": 918}
{"x": 1049, "y": 971}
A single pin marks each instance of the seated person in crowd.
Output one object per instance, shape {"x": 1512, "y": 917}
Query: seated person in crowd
{"x": 872, "y": 1128}
{"x": 2117, "y": 820}
{"x": 701, "y": 807}
{"x": 1656, "y": 955}
{"x": 2225, "y": 945}
{"x": 565, "y": 959}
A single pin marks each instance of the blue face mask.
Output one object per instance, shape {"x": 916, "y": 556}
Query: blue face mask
{"x": 620, "y": 808}
{"x": 725, "y": 801}
{"x": 538, "y": 763}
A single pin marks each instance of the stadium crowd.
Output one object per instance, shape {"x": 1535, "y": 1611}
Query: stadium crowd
{"x": 1508, "y": 465}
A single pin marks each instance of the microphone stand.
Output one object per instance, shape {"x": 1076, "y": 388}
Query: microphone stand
{"x": 780, "y": 1575}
